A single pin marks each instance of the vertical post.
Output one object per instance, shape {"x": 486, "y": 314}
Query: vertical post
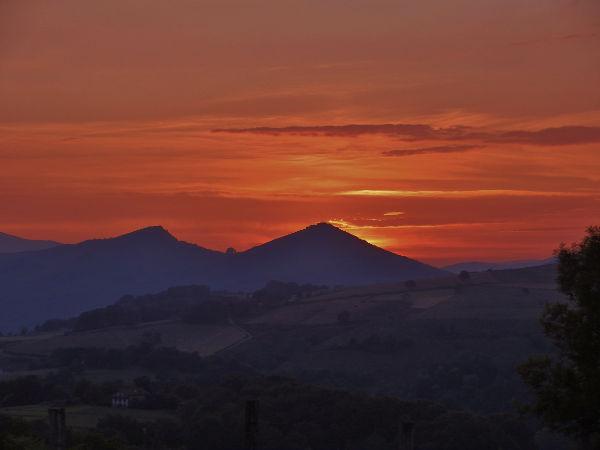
{"x": 406, "y": 434}
{"x": 58, "y": 429}
{"x": 251, "y": 424}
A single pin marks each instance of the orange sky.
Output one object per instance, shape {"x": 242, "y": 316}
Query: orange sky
{"x": 441, "y": 130}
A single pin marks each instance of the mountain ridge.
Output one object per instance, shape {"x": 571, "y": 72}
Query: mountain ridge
{"x": 15, "y": 244}
{"x": 67, "y": 279}
{"x": 479, "y": 266}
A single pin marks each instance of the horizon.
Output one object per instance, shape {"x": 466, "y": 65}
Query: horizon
{"x": 443, "y": 132}
{"x": 300, "y": 224}
{"x": 241, "y": 250}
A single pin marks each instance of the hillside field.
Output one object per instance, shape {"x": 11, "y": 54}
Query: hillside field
{"x": 204, "y": 340}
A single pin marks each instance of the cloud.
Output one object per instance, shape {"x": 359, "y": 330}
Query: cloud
{"x": 564, "y": 37}
{"x": 416, "y": 131}
{"x": 565, "y": 135}
{"x": 427, "y": 150}
{"x": 390, "y": 193}
{"x": 578, "y": 36}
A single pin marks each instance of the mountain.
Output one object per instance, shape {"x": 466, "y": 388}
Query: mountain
{"x": 15, "y": 244}
{"x": 324, "y": 254}
{"x": 66, "y": 280}
{"x": 480, "y": 266}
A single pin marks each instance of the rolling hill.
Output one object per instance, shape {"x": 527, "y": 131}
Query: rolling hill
{"x": 479, "y": 266}
{"x": 66, "y": 280}
{"x": 446, "y": 340}
{"x": 15, "y": 244}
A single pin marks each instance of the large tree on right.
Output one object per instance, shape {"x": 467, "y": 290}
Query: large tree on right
{"x": 566, "y": 385}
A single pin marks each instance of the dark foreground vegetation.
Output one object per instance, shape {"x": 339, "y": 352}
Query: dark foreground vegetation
{"x": 345, "y": 377}
{"x": 567, "y": 384}
{"x": 204, "y": 402}
{"x": 192, "y": 304}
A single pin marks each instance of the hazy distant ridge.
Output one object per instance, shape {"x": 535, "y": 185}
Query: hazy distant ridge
{"x": 15, "y": 244}
{"x": 479, "y": 266}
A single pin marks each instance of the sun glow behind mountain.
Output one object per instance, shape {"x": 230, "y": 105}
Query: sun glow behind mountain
{"x": 425, "y": 128}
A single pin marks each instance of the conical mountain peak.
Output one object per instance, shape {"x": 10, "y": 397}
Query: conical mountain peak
{"x": 325, "y": 231}
{"x": 322, "y": 241}
{"x": 324, "y": 226}
{"x": 152, "y": 233}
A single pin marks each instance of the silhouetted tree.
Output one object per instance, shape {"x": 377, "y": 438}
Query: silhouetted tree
{"x": 567, "y": 385}
{"x": 151, "y": 338}
{"x": 410, "y": 284}
{"x": 464, "y": 276}
{"x": 343, "y": 317}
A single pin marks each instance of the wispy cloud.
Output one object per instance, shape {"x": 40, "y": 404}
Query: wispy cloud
{"x": 458, "y": 194}
{"x": 428, "y": 150}
{"x": 549, "y": 136}
{"x": 417, "y": 131}
{"x": 563, "y": 37}
{"x": 565, "y": 135}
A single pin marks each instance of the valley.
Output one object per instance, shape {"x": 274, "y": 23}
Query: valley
{"x": 390, "y": 339}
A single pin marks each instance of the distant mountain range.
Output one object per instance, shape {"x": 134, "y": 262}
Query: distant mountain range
{"x": 67, "y": 279}
{"x": 480, "y": 266}
{"x": 15, "y": 244}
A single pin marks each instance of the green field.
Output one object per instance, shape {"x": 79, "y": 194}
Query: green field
{"x": 83, "y": 416}
{"x": 204, "y": 340}
{"x": 485, "y": 295}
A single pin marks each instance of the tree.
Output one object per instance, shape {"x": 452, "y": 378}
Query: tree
{"x": 343, "y": 317}
{"x": 566, "y": 385}
{"x": 464, "y": 276}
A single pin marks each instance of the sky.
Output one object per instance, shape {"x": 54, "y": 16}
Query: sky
{"x": 444, "y": 131}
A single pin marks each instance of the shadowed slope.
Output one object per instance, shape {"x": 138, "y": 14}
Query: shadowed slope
{"x": 15, "y": 244}
{"x": 68, "y": 279}
{"x": 324, "y": 254}
{"x": 478, "y": 266}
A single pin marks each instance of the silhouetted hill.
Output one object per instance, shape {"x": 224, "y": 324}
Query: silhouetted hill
{"x": 66, "y": 280}
{"x": 15, "y": 244}
{"x": 445, "y": 339}
{"x": 324, "y": 254}
{"x": 478, "y": 266}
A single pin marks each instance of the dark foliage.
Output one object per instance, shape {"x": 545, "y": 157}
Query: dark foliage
{"x": 277, "y": 292}
{"x": 192, "y": 304}
{"x": 17, "y": 434}
{"x": 410, "y": 284}
{"x": 129, "y": 310}
{"x": 143, "y": 356}
{"x": 567, "y": 386}
{"x": 291, "y": 416}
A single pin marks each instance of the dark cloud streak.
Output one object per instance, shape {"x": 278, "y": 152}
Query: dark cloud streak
{"x": 565, "y": 135}
{"x": 428, "y": 150}
{"x": 415, "y": 131}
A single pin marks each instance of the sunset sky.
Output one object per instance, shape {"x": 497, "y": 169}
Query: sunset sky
{"x": 441, "y": 130}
